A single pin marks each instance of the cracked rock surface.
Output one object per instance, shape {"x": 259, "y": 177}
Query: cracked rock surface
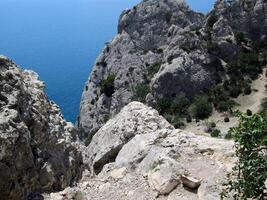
{"x": 37, "y": 146}
{"x": 167, "y": 47}
{"x": 139, "y": 155}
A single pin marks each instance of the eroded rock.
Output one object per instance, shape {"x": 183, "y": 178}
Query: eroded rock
{"x": 37, "y": 146}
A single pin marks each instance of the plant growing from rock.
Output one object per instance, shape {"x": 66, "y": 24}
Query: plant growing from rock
{"x": 141, "y": 91}
{"x": 107, "y": 85}
{"x": 153, "y": 69}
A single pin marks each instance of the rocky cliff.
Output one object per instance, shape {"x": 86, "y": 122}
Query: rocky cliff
{"x": 37, "y": 146}
{"x": 163, "y": 49}
{"x": 139, "y": 155}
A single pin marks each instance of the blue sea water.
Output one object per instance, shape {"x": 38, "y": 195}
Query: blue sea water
{"x": 60, "y": 40}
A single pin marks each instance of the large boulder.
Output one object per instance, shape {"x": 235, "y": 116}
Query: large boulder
{"x": 138, "y": 142}
{"x": 134, "y": 119}
{"x": 37, "y": 146}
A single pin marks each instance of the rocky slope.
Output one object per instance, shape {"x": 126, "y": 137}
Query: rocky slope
{"x": 139, "y": 155}
{"x": 37, "y": 146}
{"x": 164, "y": 49}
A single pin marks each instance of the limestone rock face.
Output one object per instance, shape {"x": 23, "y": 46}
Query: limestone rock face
{"x": 245, "y": 16}
{"x": 169, "y": 48}
{"x": 37, "y": 150}
{"x": 134, "y": 119}
{"x": 144, "y": 33}
{"x": 138, "y": 155}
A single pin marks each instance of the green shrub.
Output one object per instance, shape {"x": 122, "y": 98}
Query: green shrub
{"x": 226, "y": 105}
{"x": 235, "y": 91}
{"x": 201, "y": 107}
{"x": 228, "y": 136}
{"x": 215, "y": 133}
{"x": 153, "y": 69}
{"x": 188, "y": 119}
{"x": 107, "y": 85}
{"x": 249, "y": 112}
{"x": 247, "y": 90}
{"x": 249, "y": 176}
{"x": 180, "y": 105}
{"x": 141, "y": 91}
{"x": 212, "y": 124}
{"x": 226, "y": 119}
{"x": 164, "y": 105}
{"x": 175, "y": 120}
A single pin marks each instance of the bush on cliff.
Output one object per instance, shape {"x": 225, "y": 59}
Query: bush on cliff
{"x": 141, "y": 91}
{"x": 107, "y": 85}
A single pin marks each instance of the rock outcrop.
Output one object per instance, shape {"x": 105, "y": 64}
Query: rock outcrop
{"x": 145, "y": 33}
{"x": 166, "y": 49}
{"x": 138, "y": 155}
{"x": 37, "y": 146}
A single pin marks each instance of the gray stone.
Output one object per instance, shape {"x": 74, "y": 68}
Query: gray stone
{"x": 37, "y": 146}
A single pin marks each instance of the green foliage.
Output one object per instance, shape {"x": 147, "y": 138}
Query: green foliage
{"x": 164, "y": 105}
{"x": 235, "y": 90}
{"x": 201, "y": 107}
{"x": 141, "y": 91}
{"x": 249, "y": 112}
{"x": 174, "y": 110}
{"x": 107, "y": 85}
{"x": 180, "y": 105}
{"x": 153, "y": 69}
{"x": 175, "y": 120}
{"x": 226, "y": 119}
{"x": 215, "y": 133}
{"x": 221, "y": 98}
{"x": 210, "y": 126}
{"x": 247, "y": 90}
{"x": 250, "y": 172}
{"x": 228, "y": 136}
